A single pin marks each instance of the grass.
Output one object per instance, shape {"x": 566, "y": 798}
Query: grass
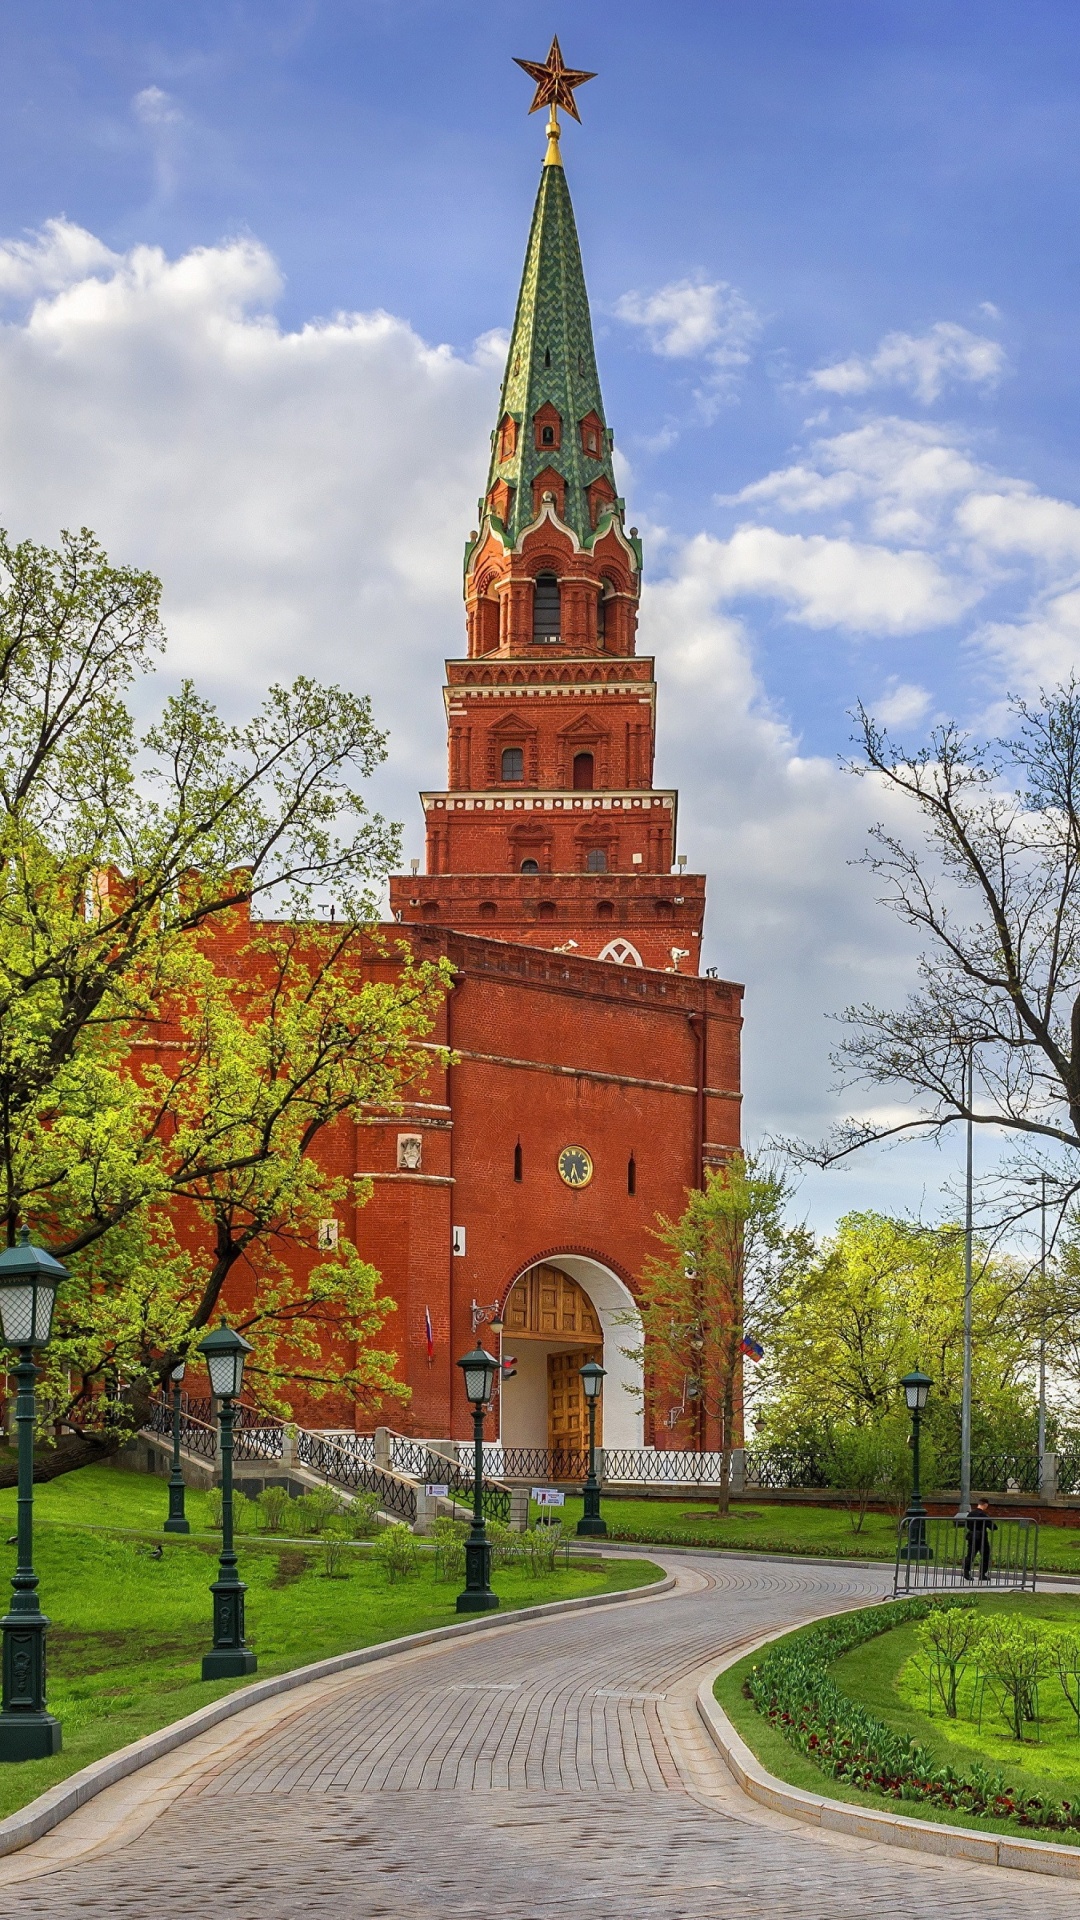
{"x": 874, "y": 1675}
{"x": 129, "y": 1631}
{"x": 819, "y": 1532}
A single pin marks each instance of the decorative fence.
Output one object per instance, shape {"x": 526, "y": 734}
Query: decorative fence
{"x": 344, "y": 1464}
{"x": 770, "y": 1467}
{"x": 196, "y": 1436}
{"x": 938, "y": 1555}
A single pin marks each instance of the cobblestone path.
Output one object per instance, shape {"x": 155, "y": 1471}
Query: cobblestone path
{"x": 552, "y": 1771}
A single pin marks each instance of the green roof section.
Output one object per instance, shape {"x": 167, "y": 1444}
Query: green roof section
{"x": 552, "y": 360}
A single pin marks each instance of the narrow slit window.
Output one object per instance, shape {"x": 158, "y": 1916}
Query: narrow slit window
{"x": 631, "y": 1175}
{"x": 517, "y": 1161}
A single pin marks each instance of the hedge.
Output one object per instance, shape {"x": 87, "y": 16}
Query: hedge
{"x": 793, "y": 1689}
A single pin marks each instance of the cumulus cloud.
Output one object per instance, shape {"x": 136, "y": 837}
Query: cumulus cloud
{"x": 901, "y": 705}
{"x": 921, "y": 363}
{"x": 50, "y": 259}
{"x": 153, "y": 107}
{"x": 836, "y": 582}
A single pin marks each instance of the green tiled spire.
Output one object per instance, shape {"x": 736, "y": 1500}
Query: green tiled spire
{"x": 552, "y": 359}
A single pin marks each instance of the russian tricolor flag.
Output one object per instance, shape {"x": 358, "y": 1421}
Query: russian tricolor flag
{"x": 428, "y": 1335}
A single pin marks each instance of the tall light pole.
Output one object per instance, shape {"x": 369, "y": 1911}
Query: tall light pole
{"x": 479, "y": 1368}
{"x": 964, "y": 1508}
{"x": 177, "y": 1521}
{"x": 916, "y": 1387}
{"x": 29, "y": 1278}
{"x": 592, "y": 1521}
{"x": 225, "y": 1351}
{"x": 1042, "y": 1325}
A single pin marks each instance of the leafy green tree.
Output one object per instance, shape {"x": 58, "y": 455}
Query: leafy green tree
{"x": 880, "y": 1297}
{"x": 721, "y": 1268}
{"x": 177, "y": 1030}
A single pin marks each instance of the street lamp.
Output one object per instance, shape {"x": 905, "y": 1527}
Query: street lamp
{"x": 592, "y": 1520}
{"x": 29, "y": 1278}
{"x": 916, "y": 1388}
{"x": 177, "y": 1521}
{"x": 479, "y": 1368}
{"x": 225, "y": 1351}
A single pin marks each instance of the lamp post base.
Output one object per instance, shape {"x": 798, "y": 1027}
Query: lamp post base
{"x": 176, "y": 1525}
{"x": 916, "y": 1546}
{"x": 477, "y": 1597}
{"x": 29, "y": 1736}
{"x": 592, "y": 1526}
{"x": 226, "y": 1663}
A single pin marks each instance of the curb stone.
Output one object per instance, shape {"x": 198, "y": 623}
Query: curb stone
{"x": 40, "y": 1816}
{"x": 866, "y": 1823}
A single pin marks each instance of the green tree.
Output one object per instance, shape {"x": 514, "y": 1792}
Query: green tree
{"x": 166, "y": 1066}
{"x": 721, "y": 1267}
{"x": 880, "y": 1297}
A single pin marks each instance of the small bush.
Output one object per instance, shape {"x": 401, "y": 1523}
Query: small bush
{"x": 1014, "y": 1655}
{"x": 543, "y": 1544}
{"x": 395, "y": 1550}
{"x": 948, "y": 1639}
{"x": 213, "y": 1503}
{"x": 449, "y": 1538}
{"x": 363, "y": 1515}
{"x": 333, "y": 1555}
{"x": 273, "y": 1504}
{"x": 244, "y": 1511}
{"x": 506, "y": 1544}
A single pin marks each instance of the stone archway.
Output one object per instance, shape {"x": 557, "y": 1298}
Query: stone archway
{"x": 606, "y": 1301}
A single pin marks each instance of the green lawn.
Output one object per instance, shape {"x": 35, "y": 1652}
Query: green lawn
{"x": 823, "y": 1531}
{"x": 874, "y": 1674}
{"x": 129, "y": 1631}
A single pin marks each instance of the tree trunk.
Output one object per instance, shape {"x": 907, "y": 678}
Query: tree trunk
{"x": 79, "y": 1449}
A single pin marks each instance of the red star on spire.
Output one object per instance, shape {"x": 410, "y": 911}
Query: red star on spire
{"x": 555, "y": 82}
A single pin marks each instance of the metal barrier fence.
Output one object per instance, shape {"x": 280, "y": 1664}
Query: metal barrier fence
{"x": 945, "y": 1554}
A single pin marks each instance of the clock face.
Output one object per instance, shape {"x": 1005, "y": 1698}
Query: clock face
{"x": 575, "y": 1166}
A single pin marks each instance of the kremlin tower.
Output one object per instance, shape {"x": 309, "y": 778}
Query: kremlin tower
{"x": 550, "y": 831}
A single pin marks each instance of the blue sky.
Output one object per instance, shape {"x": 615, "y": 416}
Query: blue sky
{"x": 832, "y": 258}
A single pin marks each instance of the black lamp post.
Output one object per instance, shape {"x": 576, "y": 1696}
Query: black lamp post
{"x": 916, "y": 1388}
{"x": 225, "y": 1352}
{"x": 592, "y": 1521}
{"x": 29, "y": 1278}
{"x": 177, "y": 1521}
{"x": 480, "y": 1369}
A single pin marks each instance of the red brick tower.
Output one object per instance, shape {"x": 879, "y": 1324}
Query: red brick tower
{"x": 550, "y": 830}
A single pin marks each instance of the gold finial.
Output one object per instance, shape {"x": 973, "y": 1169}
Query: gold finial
{"x": 555, "y": 83}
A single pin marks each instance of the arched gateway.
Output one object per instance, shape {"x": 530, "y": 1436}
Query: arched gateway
{"x": 559, "y": 1313}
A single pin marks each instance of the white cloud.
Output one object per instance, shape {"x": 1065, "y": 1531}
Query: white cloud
{"x": 53, "y": 258}
{"x": 703, "y": 320}
{"x": 835, "y": 582}
{"x": 921, "y": 363}
{"x": 901, "y": 705}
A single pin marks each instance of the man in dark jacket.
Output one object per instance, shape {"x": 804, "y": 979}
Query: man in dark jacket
{"x": 978, "y": 1527}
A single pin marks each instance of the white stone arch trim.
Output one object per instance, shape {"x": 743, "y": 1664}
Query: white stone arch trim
{"x": 624, "y": 1407}
{"x": 622, "y": 952}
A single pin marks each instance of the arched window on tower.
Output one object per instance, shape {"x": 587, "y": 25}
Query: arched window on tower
{"x": 583, "y": 773}
{"x": 596, "y": 861}
{"x": 547, "y": 611}
{"x": 513, "y": 763}
{"x": 530, "y": 866}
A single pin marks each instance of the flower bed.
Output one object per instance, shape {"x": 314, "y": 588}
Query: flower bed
{"x": 793, "y": 1689}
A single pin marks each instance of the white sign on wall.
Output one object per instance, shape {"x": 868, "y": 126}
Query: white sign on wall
{"x": 437, "y": 1489}
{"x": 458, "y": 1239}
{"x": 548, "y": 1497}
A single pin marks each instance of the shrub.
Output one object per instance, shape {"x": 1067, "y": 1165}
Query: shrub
{"x": 506, "y": 1544}
{"x": 395, "y": 1550}
{"x": 869, "y": 1462}
{"x": 794, "y": 1690}
{"x": 333, "y": 1555}
{"x": 1014, "y": 1655}
{"x": 273, "y": 1504}
{"x": 542, "y": 1545}
{"x": 449, "y": 1538}
{"x": 244, "y": 1511}
{"x": 948, "y": 1637}
{"x": 363, "y": 1515}
{"x": 313, "y": 1511}
{"x": 214, "y": 1503}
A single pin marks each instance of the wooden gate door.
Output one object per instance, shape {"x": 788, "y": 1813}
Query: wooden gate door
{"x": 568, "y": 1419}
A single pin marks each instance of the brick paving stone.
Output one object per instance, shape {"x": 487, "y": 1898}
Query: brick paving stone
{"x": 552, "y": 1772}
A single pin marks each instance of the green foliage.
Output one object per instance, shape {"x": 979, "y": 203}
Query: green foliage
{"x": 948, "y": 1637}
{"x": 274, "y": 1504}
{"x": 395, "y": 1551}
{"x": 870, "y": 1462}
{"x": 362, "y": 1515}
{"x": 142, "y": 1072}
{"x": 1014, "y": 1654}
{"x": 881, "y": 1297}
{"x": 721, "y": 1268}
{"x": 795, "y": 1691}
{"x": 449, "y": 1541}
{"x": 334, "y": 1549}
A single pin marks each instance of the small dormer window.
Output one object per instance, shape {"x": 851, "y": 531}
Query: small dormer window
{"x": 547, "y": 436}
{"x": 590, "y": 441}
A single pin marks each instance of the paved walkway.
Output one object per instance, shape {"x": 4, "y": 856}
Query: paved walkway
{"x": 552, "y": 1771}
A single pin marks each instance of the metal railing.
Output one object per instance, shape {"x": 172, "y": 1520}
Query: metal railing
{"x": 783, "y": 1469}
{"x": 538, "y": 1465}
{"x": 975, "y": 1554}
{"x": 336, "y": 1460}
{"x": 196, "y": 1436}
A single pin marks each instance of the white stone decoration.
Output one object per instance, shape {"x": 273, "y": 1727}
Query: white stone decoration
{"x": 410, "y": 1152}
{"x": 622, "y": 953}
